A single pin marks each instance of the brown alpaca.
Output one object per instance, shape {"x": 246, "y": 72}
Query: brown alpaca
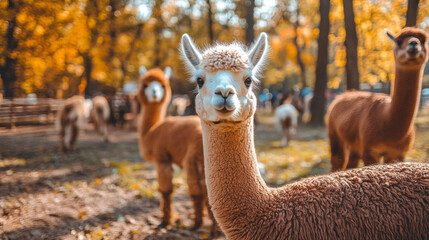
{"x": 378, "y": 202}
{"x": 370, "y": 126}
{"x": 100, "y": 114}
{"x": 175, "y": 140}
{"x": 69, "y": 119}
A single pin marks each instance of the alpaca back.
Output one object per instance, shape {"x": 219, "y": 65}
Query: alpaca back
{"x": 175, "y": 138}
{"x": 73, "y": 111}
{"x": 100, "y": 109}
{"x": 354, "y": 116}
{"x": 286, "y": 117}
{"x": 69, "y": 120}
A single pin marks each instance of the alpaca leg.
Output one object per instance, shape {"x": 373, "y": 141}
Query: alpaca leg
{"x": 353, "y": 160}
{"x": 284, "y": 138}
{"x": 370, "y": 158}
{"x": 196, "y": 187}
{"x": 62, "y": 139}
{"x": 197, "y": 201}
{"x": 337, "y": 154}
{"x": 105, "y": 132}
{"x": 165, "y": 182}
{"x": 393, "y": 159}
{"x": 73, "y": 137}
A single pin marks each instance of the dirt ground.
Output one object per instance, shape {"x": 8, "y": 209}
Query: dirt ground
{"x": 105, "y": 191}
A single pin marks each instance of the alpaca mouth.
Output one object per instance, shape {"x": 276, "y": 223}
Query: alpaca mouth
{"x": 224, "y": 110}
{"x": 226, "y": 121}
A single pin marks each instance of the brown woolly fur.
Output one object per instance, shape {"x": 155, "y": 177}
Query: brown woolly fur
{"x": 378, "y": 202}
{"x": 172, "y": 140}
{"x": 70, "y": 118}
{"x": 100, "y": 113}
{"x": 371, "y": 126}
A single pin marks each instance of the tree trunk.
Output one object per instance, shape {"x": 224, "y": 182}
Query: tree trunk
{"x": 124, "y": 63}
{"x": 210, "y": 21}
{"x": 87, "y": 61}
{"x": 157, "y": 14}
{"x": 250, "y": 21}
{"x": 351, "y": 43}
{"x": 112, "y": 33}
{"x": 319, "y": 101}
{"x": 298, "y": 49}
{"x": 8, "y": 70}
{"x": 412, "y": 11}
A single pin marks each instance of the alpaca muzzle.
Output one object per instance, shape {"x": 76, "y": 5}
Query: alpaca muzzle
{"x": 413, "y": 46}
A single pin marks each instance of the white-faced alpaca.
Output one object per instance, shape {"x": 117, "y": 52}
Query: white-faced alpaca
{"x": 374, "y": 125}
{"x": 100, "y": 114}
{"x": 378, "y": 202}
{"x": 286, "y": 122}
{"x": 179, "y": 104}
{"x": 70, "y": 119}
{"x": 174, "y": 140}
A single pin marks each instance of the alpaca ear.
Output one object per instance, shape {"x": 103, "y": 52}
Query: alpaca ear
{"x": 189, "y": 52}
{"x": 389, "y": 34}
{"x": 142, "y": 71}
{"x": 259, "y": 50}
{"x": 167, "y": 72}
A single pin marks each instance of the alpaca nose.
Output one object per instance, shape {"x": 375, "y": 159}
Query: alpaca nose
{"x": 413, "y": 46}
{"x": 225, "y": 91}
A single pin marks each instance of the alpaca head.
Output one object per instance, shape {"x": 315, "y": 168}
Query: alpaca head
{"x": 225, "y": 76}
{"x": 411, "y": 50}
{"x": 154, "y": 86}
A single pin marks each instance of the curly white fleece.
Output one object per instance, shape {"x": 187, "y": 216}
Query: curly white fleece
{"x": 225, "y": 57}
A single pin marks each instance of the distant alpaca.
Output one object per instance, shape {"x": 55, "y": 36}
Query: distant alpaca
{"x": 100, "y": 114}
{"x": 303, "y": 103}
{"x": 179, "y": 105}
{"x": 370, "y": 126}
{"x": 286, "y": 122}
{"x": 175, "y": 140}
{"x": 70, "y": 119}
{"x": 379, "y": 202}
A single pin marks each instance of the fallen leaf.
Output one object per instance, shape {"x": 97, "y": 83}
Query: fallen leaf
{"x": 98, "y": 181}
{"x": 82, "y": 214}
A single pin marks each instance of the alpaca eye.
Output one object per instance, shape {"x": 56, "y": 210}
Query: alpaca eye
{"x": 144, "y": 86}
{"x": 248, "y": 82}
{"x": 200, "y": 82}
{"x": 399, "y": 43}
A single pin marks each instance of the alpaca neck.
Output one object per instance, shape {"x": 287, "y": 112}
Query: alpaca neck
{"x": 405, "y": 99}
{"x": 150, "y": 115}
{"x": 233, "y": 181}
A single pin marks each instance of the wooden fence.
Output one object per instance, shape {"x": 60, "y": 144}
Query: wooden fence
{"x": 20, "y": 111}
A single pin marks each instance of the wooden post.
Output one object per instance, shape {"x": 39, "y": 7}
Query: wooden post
{"x": 12, "y": 115}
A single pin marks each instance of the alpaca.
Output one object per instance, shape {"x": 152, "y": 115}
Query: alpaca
{"x": 370, "y": 126}
{"x": 286, "y": 122}
{"x": 172, "y": 140}
{"x": 179, "y": 105}
{"x": 378, "y": 202}
{"x": 70, "y": 119}
{"x": 301, "y": 100}
{"x": 100, "y": 114}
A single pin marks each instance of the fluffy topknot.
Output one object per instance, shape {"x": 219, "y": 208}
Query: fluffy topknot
{"x": 230, "y": 57}
{"x": 412, "y": 32}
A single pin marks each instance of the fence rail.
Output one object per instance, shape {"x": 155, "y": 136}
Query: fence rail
{"x": 19, "y": 111}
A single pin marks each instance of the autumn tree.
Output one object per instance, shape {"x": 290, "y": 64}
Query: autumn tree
{"x": 351, "y": 44}
{"x": 319, "y": 101}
